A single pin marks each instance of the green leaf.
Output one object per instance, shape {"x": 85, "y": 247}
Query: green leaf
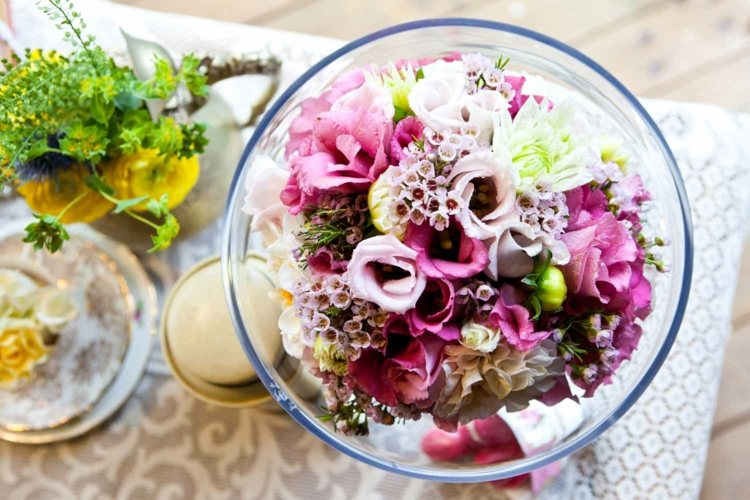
{"x": 47, "y": 232}
{"x": 125, "y": 204}
{"x": 159, "y": 208}
{"x": 536, "y": 307}
{"x": 101, "y": 109}
{"x": 420, "y": 74}
{"x": 127, "y": 100}
{"x": 165, "y": 233}
{"x": 96, "y": 183}
{"x": 530, "y": 280}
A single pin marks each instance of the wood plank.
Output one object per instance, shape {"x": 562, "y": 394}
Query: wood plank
{"x": 353, "y": 19}
{"x": 225, "y": 10}
{"x": 724, "y": 85}
{"x": 567, "y": 20}
{"x": 671, "y": 41}
{"x": 733, "y": 400}
{"x": 726, "y": 472}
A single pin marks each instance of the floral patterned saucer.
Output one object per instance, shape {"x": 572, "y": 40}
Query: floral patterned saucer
{"x": 90, "y": 349}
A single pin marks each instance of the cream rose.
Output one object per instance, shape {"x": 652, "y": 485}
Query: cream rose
{"x": 479, "y": 337}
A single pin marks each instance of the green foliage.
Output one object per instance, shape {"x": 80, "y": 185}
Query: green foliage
{"x": 98, "y": 111}
{"x": 46, "y": 232}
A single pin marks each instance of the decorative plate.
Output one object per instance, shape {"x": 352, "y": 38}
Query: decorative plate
{"x": 89, "y": 351}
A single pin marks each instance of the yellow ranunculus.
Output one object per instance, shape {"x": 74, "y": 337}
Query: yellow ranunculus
{"x": 146, "y": 173}
{"x": 52, "y": 195}
{"x": 21, "y": 349}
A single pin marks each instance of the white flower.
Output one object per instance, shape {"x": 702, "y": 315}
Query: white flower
{"x": 484, "y": 184}
{"x": 513, "y": 248}
{"x": 17, "y": 292}
{"x": 542, "y": 147}
{"x": 291, "y": 332}
{"x": 381, "y": 199}
{"x": 479, "y": 337}
{"x": 441, "y": 102}
{"x": 263, "y": 185}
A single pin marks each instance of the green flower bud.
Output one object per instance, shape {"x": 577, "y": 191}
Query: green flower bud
{"x": 551, "y": 289}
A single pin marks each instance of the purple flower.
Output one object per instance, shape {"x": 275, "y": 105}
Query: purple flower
{"x": 447, "y": 254}
{"x": 514, "y": 321}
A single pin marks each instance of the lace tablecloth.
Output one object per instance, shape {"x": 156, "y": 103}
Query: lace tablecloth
{"x": 165, "y": 444}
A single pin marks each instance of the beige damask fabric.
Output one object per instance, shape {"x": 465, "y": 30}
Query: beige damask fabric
{"x": 165, "y": 444}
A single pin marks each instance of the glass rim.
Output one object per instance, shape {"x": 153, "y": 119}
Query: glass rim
{"x": 528, "y": 463}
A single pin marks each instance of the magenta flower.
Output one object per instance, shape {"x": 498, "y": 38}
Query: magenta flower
{"x": 385, "y": 271}
{"x": 406, "y": 373}
{"x": 604, "y": 264}
{"x": 349, "y": 148}
{"x": 519, "y": 98}
{"x": 434, "y": 310}
{"x": 446, "y": 254}
{"x": 324, "y": 263}
{"x": 407, "y": 130}
{"x": 584, "y": 206}
{"x": 300, "y": 130}
{"x": 514, "y": 321}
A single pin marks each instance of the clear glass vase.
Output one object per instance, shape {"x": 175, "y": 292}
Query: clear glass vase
{"x": 561, "y": 69}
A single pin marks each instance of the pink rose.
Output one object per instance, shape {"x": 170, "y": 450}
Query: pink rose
{"x": 349, "y": 148}
{"x": 458, "y": 257}
{"x": 300, "y": 130}
{"x": 384, "y": 271}
{"x": 406, "y": 373}
{"x": 513, "y": 319}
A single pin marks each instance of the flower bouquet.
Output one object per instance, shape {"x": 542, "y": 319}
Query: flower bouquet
{"x": 446, "y": 241}
{"x": 77, "y": 140}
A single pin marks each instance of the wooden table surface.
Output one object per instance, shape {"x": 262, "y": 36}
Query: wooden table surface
{"x": 691, "y": 50}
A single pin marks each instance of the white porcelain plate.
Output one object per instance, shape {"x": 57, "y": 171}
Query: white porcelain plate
{"x": 101, "y": 356}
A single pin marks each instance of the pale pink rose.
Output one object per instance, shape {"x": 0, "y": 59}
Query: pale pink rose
{"x": 384, "y": 271}
{"x": 483, "y": 174}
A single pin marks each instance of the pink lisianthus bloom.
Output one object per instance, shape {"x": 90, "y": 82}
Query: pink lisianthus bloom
{"x": 514, "y": 321}
{"x": 300, "y": 130}
{"x": 448, "y": 254}
{"x": 606, "y": 264}
{"x": 519, "y": 98}
{"x": 434, "y": 310}
{"x": 408, "y": 372}
{"x": 407, "y": 130}
{"x": 349, "y": 148}
{"x": 385, "y": 271}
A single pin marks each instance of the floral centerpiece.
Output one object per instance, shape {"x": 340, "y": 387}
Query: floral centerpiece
{"x": 77, "y": 140}
{"x": 445, "y": 242}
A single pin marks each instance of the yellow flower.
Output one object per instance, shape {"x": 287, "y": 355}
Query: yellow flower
{"x": 147, "y": 173}
{"x": 52, "y": 195}
{"x": 379, "y": 200}
{"x": 21, "y": 349}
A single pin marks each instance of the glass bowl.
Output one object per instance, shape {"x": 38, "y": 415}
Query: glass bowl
{"x": 564, "y": 69}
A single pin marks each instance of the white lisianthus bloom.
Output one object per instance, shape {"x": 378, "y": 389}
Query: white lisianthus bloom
{"x": 541, "y": 146}
{"x": 479, "y": 337}
{"x": 263, "y": 185}
{"x": 441, "y": 102}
